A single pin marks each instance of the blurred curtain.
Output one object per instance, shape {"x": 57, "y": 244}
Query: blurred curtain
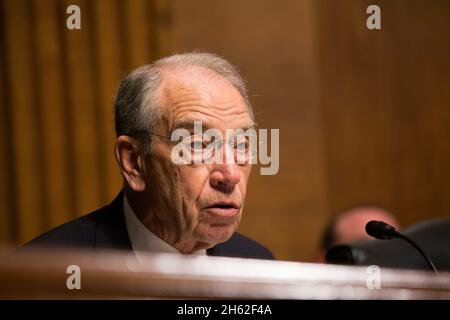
{"x": 56, "y": 97}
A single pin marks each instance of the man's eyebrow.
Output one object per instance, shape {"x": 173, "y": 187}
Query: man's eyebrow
{"x": 189, "y": 125}
{"x": 251, "y": 125}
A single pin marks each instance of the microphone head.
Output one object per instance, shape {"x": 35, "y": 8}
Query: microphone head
{"x": 380, "y": 230}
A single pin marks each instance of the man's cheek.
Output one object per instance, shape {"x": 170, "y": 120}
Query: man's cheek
{"x": 193, "y": 181}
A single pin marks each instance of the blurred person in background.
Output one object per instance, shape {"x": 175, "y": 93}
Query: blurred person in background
{"x": 350, "y": 225}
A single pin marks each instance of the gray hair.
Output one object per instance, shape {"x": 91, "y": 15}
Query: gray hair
{"x": 137, "y": 110}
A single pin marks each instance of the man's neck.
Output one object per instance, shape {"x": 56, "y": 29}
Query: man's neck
{"x": 143, "y": 212}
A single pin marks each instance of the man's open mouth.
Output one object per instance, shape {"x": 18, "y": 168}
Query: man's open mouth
{"x": 224, "y": 205}
{"x": 224, "y": 208}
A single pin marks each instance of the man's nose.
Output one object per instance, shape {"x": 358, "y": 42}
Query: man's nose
{"x": 225, "y": 175}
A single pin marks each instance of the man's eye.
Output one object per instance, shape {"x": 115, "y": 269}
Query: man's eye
{"x": 210, "y": 143}
{"x": 242, "y": 145}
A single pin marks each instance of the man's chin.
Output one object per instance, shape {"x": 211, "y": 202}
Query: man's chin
{"x": 218, "y": 234}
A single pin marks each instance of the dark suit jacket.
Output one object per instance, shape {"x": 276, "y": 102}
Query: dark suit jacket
{"x": 106, "y": 229}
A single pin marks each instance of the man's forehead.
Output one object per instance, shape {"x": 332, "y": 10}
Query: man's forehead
{"x": 193, "y": 95}
{"x": 189, "y": 77}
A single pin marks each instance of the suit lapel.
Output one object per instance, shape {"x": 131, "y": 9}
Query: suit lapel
{"x": 111, "y": 231}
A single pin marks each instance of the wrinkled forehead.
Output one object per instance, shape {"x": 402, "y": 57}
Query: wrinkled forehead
{"x": 198, "y": 94}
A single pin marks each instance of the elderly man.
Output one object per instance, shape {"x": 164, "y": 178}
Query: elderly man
{"x": 193, "y": 208}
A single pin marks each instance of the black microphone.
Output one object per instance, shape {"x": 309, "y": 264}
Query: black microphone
{"x": 383, "y": 231}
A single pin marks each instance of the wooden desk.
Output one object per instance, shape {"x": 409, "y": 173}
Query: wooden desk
{"x": 116, "y": 275}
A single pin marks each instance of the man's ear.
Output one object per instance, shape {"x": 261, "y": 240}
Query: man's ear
{"x": 131, "y": 162}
